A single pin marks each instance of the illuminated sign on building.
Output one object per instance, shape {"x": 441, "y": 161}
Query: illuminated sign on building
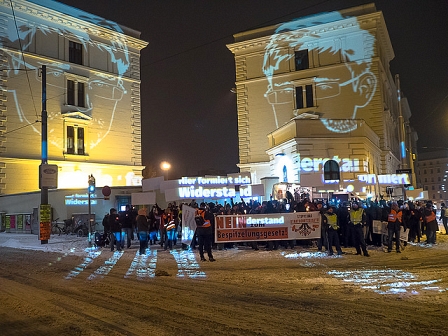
{"x": 385, "y": 179}
{"x": 214, "y": 187}
{"x": 80, "y": 199}
{"x": 315, "y": 165}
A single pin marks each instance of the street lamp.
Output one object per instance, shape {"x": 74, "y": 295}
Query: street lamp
{"x": 165, "y": 166}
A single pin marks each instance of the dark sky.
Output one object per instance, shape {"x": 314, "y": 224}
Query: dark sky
{"x": 188, "y": 112}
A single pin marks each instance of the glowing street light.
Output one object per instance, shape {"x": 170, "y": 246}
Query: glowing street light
{"x": 165, "y": 166}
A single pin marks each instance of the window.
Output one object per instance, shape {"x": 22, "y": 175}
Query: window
{"x": 331, "y": 171}
{"x": 304, "y": 96}
{"x": 76, "y": 93}
{"x": 432, "y": 188}
{"x": 70, "y": 140}
{"x": 438, "y": 170}
{"x": 75, "y": 52}
{"x": 301, "y": 60}
{"x": 75, "y": 135}
{"x": 80, "y": 141}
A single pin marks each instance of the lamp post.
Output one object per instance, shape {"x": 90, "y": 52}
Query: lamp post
{"x": 165, "y": 166}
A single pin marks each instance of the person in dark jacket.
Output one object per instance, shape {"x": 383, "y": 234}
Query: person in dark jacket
{"x": 394, "y": 222}
{"x": 127, "y": 220}
{"x": 142, "y": 229}
{"x": 115, "y": 229}
{"x": 330, "y": 221}
{"x": 429, "y": 217}
{"x": 204, "y": 233}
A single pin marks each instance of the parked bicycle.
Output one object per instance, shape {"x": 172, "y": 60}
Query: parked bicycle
{"x": 58, "y": 227}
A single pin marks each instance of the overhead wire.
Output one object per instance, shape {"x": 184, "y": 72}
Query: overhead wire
{"x": 23, "y": 57}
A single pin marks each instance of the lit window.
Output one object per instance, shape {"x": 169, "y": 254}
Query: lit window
{"x": 75, "y": 135}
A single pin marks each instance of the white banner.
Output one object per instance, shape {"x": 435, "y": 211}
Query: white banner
{"x": 188, "y": 224}
{"x": 259, "y": 227}
{"x": 380, "y": 227}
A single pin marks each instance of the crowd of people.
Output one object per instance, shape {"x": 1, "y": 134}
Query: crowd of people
{"x": 347, "y": 224}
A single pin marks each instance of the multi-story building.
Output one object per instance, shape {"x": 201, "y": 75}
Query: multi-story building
{"x": 432, "y": 174}
{"x": 92, "y": 96}
{"x": 318, "y": 90}
{"x": 91, "y": 88}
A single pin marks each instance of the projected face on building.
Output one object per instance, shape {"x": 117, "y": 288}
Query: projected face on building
{"x": 85, "y": 94}
{"x": 334, "y": 95}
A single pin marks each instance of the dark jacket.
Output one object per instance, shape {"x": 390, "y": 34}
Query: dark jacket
{"x": 142, "y": 223}
{"x": 114, "y": 223}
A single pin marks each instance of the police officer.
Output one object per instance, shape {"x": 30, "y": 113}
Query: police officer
{"x": 330, "y": 220}
{"x": 357, "y": 218}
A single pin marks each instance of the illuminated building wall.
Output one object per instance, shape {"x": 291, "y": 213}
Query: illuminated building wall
{"x": 317, "y": 87}
{"x": 93, "y": 96}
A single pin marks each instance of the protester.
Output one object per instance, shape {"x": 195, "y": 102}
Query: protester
{"x": 142, "y": 229}
{"x": 115, "y": 228}
{"x": 394, "y": 223}
{"x": 204, "y": 233}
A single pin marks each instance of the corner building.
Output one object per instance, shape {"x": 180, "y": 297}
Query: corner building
{"x": 92, "y": 96}
{"x": 319, "y": 88}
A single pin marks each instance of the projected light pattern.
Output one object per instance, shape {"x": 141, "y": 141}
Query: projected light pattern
{"x": 92, "y": 254}
{"x": 107, "y": 267}
{"x": 101, "y": 89}
{"x": 307, "y": 255}
{"x": 388, "y": 281}
{"x": 141, "y": 267}
{"x": 357, "y": 84}
{"x": 187, "y": 264}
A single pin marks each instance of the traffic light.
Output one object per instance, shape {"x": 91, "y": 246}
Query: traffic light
{"x": 91, "y": 184}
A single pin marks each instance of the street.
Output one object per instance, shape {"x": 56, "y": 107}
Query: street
{"x": 245, "y": 292}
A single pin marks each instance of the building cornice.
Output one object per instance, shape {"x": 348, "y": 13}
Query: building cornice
{"x": 366, "y": 21}
{"x": 53, "y": 16}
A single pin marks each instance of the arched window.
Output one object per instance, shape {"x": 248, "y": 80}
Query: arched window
{"x": 331, "y": 170}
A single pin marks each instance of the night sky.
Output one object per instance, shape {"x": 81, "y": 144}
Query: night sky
{"x": 188, "y": 112}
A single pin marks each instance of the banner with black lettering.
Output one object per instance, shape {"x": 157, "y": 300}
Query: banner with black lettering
{"x": 262, "y": 227}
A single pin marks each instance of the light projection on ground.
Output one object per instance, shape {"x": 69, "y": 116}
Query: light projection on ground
{"x": 142, "y": 266}
{"x": 107, "y": 266}
{"x": 388, "y": 281}
{"x": 101, "y": 91}
{"x": 92, "y": 254}
{"x": 349, "y": 88}
{"x": 187, "y": 265}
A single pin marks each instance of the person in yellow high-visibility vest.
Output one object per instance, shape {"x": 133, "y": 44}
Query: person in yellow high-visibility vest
{"x": 357, "y": 217}
{"x": 330, "y": 221}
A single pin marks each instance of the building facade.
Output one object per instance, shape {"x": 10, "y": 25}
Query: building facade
{"x": 432, "y": 175}
{"x": 319, "y": 89}
{"x": 92, "y": 97}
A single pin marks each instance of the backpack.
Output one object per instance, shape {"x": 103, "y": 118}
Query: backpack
{"x": 199, "y": 220}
